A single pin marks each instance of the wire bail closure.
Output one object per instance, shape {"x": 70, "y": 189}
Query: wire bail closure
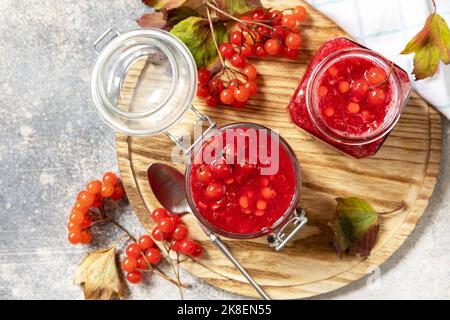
{"x": 178, "y": 140}
{"x": 279, "y": 239}
{"x": 112, "y": 31}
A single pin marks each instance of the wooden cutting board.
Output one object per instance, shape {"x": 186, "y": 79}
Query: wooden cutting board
{"x": 405, "y": 169}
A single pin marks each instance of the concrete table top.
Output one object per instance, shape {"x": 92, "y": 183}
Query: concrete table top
{"x": 52, "y": 142}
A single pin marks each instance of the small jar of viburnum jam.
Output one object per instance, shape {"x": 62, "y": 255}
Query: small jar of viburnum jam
{"x": 350, "y": 97}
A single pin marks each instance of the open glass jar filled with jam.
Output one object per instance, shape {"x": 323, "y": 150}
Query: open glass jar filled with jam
{"x": 244, "y": 182}
{"x": 350, "y": 97}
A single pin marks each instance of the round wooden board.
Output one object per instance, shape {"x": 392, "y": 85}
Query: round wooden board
{"x": 405, "y": 169}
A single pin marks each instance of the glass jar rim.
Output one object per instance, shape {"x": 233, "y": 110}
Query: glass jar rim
{"x": 138, "y": 115}
{"x": 393, "y": 116}
{"x": 161, "y": 40}
{"x": 285, "y": 217}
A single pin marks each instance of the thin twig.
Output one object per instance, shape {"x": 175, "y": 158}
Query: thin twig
{"x": 174, "y": 270}
{"x": 178, "y": 268}
{"x": 382, "y": 84}
{"x": 387, "y": 213}
{"x": 161, "y": 273}
{"x": 213, "y": 35}
{"x": 121, "y": 228}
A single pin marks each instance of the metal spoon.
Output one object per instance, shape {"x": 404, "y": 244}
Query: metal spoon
{"x": 167, "y": 184}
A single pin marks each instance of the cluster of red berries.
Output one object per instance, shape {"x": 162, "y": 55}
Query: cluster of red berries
{"x": 140, "y": 256}
{"x": 262, "y": 33}
{"x": 170, "y": 230}
{"x": 81, "y": 216}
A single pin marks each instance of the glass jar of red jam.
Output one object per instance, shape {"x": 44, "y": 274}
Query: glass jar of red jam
{"x": 244, "y": 182}
{"x": 350, "y": 97}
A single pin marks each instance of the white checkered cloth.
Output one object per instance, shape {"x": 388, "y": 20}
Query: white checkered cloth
{"x": 386, "y": 26}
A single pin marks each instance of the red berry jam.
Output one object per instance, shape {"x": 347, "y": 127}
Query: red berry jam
{"x": 250, "y": 184}
{"x": 350, "y": 97}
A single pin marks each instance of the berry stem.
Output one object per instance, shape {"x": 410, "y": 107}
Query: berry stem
{"x": 117, "y": 224}
{"x": 211, "y": 26}
{"x": 225, "y": 68}
{"x": 387, "y": 213}
{"x": 166, "y": 277}
{"x": 156, "y": 270}
{"x": 101, "y": 208}
{"x": 173, "y": 269}
{"x": 186, "y": 259}
{"x": 382, "y": 84}
{"x": 178, "y": 268}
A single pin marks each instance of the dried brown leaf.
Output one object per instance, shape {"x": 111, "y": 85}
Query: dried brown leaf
{"x": 153, "y": 20}
{"x": 99, "y": 275}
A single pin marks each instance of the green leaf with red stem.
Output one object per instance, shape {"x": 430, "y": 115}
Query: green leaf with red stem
{"x": 355, "y": 226}
{"x": 195, "y": 32}
{"x": 431, "y": 45}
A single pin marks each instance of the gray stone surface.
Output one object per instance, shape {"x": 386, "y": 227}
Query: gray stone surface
{"x": 52, "y": 142}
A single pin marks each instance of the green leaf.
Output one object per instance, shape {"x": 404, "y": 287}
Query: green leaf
{"x": 355, "y": 226}
{"x": 238, "y": 7}
{"x": 195, "y": 32}
{"x": 164, "y": 4}
{"x": 426, "y": 62}
{"x": 430, "y": 45}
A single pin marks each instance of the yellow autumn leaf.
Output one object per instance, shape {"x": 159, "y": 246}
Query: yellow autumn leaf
{"x": 99, "y": 275}
{"x": 431, "y": 45}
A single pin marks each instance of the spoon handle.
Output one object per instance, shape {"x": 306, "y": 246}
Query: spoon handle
{"x": 219, "y": 244}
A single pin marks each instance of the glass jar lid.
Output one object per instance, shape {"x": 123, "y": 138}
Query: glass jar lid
{"x": 143, "y": 82}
